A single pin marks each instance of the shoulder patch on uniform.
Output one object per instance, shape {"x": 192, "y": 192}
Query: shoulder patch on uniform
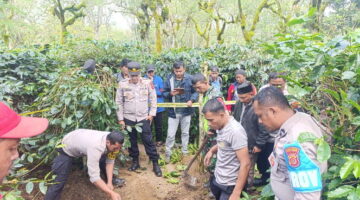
{"x": 292, "y": 154}
{"x": 304, "y": 174}
{"x": 112, "y": 155}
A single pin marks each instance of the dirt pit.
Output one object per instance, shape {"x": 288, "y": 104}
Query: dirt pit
{"x": 140, "y": 185}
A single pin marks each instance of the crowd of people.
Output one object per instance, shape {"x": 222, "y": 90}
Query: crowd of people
{"x": 259, "y": 131}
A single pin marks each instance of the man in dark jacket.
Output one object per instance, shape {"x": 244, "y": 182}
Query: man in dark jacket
{"x": 178, "y": 89}
{"x": 256, "y": 133}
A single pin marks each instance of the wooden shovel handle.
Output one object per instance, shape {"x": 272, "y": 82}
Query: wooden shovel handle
{"x": 197, "y": 154}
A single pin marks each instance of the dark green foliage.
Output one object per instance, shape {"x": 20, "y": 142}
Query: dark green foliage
{"x": 324, "y": 75}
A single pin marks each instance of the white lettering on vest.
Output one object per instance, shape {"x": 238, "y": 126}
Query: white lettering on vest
{"x": 304, "y": 179}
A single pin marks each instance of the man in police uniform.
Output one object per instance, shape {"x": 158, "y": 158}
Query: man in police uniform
{"x": 100, "y": 148}
{"x": 295, "y": 171}
{"x": 136, "y": 99}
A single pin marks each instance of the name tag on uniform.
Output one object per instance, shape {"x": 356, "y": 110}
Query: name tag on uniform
{"x": 304, "y": 174}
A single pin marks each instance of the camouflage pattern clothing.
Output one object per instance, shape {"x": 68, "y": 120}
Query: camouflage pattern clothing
{"x": 211, "y": 93}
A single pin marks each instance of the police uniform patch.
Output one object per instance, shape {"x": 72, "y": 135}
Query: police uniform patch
{"x": 304, "y": 174}
{"x": 112, "y": 155}
{"x": 292, "y": 154}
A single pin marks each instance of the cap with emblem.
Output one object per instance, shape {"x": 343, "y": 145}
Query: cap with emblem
{"x": 134, "y": 68}
{"x": 150, "y": 68}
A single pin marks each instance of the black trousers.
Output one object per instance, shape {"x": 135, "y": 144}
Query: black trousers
{"x": 158, "y": 120}
{"x": 262, "y": 162}
{"x": 146, "y": 138}
{"x": 61, "y": 167}
{"x": 221, "y": 192}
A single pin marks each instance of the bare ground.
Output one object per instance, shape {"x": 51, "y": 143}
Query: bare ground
{"x": 140, "y": 185}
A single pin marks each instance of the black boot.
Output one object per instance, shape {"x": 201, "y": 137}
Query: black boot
{"x": 156, "y": 169}
{"x": 134, "y": 165}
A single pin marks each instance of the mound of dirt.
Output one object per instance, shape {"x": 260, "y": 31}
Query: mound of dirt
{"x": 140, "y": 185}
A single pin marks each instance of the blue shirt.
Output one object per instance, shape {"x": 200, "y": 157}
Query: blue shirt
{"x": 159, "y": 87}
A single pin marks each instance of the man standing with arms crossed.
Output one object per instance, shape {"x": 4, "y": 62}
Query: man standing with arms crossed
{"x": 233, "y": 163}
{"x": 136, "y": 100}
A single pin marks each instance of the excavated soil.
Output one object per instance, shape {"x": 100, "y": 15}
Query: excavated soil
{"x": 140, "y": 185}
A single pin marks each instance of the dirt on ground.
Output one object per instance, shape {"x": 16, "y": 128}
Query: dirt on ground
{"x": 140, "y": 185}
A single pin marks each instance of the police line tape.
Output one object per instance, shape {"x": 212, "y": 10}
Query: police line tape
{"x": 33, "y": 112}
{"x": 160, "y": 105}
{"x": 184, "y": 105}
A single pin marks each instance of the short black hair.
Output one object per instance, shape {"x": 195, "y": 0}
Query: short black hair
{"x": 178, "y": 64}
{"x": 115, "y": 137}
{"x": 214, "y": 105}
{"x": 275, "y": 75}
{"x": 272, "y": 96}
{"x": 214, "y": 68}
{"x": 124, "y": 62}
{"x": 198, "y": 77}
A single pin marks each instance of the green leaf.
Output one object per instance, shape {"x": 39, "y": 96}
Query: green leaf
{"x": 333, "y": 93}
{"x": 29, "y": 187}
{"x": 129, "y": 128}
{"x": 138, "y": 129}
{"x": 347, "y": 75}
{"x": 311, "y": 12}
{"x": 346, "y": 168}
{"x": 267, "y": 191}
{"x": 356, "y": 121}
{"x": 30, "y": 158}
{"x": 356, "y": 171}
{"x": 306, "y": 137}
{"x": 173, "y": 180}
{"x": 42, "y": 187}
{"x": 295, "y": 21}
{"x": 323, "y": 151}
{"x": 357, "y": 136}
{"x": 108, "y": 110}
{"x": 342, "y": 191}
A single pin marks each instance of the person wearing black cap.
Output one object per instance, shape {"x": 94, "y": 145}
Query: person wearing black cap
{"x": 136, "y": 100}
{"x": 124, "y": 72}
{"x": 240, "y": 76}
{"x": 159, "y": 88}
{"x": 256, "y": 133}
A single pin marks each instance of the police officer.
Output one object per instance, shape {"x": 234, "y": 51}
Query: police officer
{"x": 136, "y": 100}
{"x": 295, "y": 171}
{"x": 100, "y": 148}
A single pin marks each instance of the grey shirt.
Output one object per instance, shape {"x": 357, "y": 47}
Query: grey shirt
{"x": 229, "y": 139}
{"x": 90, "y": 143}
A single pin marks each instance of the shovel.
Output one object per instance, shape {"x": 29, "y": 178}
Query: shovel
{"x": 191, "y": 181}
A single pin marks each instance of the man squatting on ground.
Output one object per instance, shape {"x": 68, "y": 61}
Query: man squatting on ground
{"x": 233, "y": 163}
{"x": 99, "y": 148}
{"x": 295, "y": 171}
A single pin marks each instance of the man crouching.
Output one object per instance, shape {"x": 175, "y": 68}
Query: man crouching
{"x": 99, "y": 147}
{"x": 233, "y": 163}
